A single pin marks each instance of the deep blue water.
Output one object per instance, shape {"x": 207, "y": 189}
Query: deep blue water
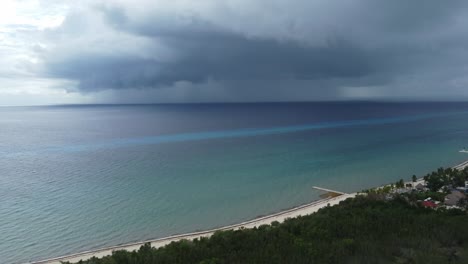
{"x": 75, "y": 178}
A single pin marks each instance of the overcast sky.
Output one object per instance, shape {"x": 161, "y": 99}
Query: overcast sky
{"x": 147, "y": 51}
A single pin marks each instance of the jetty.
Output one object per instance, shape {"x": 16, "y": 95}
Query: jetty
{"x": 327, "y": 190}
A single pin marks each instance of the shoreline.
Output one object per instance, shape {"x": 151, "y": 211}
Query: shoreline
{"x": 305, "y": 209}
{"x": 281, "y": 216}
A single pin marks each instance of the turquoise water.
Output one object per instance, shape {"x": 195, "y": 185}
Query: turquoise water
{"x": 79, "y": 178}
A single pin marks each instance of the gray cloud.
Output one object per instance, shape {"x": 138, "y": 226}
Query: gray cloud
{"x": 225, "y": 57}
{"x": 323, "y": 49}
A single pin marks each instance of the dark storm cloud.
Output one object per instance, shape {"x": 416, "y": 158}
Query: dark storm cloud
{"x": 368, "y": 43}
{"x": 219, "y": 56}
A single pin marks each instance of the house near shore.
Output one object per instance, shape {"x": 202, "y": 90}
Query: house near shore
{"x": 420, "y": 187}
{"x": 429, "y": 204}
{"x": 454, "y": 197}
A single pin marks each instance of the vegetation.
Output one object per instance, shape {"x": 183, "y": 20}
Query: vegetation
{"x": 400, "y": 184}
{"x": 360, "y": 230}
{"x": 444, "y": 177}
{"x": 418, "y": 196}
{"x": 463, "y": 203}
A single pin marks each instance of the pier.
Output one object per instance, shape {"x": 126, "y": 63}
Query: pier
{"x": 327, "y": 190}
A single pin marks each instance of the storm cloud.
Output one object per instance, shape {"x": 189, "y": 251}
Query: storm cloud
{"x": 261, "y": 50}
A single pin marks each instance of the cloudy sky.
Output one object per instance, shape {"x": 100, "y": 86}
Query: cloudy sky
{"x": 150, "y": 51}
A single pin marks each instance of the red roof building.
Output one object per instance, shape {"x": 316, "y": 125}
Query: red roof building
{"x": 429, "y": 204}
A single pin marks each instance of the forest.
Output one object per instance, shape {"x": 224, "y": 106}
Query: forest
{"x": 366, "y": 229}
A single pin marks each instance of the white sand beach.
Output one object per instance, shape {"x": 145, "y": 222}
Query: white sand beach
{"x": 280, "y": 217}
{"x": 265, "y": 220}
{"x": 461, "y": 166}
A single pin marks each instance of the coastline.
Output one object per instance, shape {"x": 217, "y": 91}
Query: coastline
{"x": 305, "y": 209}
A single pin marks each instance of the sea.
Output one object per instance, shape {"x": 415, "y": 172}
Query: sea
{"x": 81, "y": 177}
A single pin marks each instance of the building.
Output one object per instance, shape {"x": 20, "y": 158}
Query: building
{"x": 429, "y": 204}
{"x": 454, "y": 197}
{"x": 420, "y": 187}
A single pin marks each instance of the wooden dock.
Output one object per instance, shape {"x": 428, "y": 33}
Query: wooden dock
{"x": 327, "y": 190}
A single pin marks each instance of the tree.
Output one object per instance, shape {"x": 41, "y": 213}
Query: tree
{"x": 414, "y": 178}
{"x": 458, "y": 179}
{"x": 463, "y": 203}
{"x": 435, "y": 181}
{"x": 400, "y": 184}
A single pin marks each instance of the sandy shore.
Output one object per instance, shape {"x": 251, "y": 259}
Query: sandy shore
{"x": 280, "y": 217}
{"x": 461, "y": 166}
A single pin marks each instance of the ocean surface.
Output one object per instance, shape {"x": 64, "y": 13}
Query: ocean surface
{"x": 75, "y": 178}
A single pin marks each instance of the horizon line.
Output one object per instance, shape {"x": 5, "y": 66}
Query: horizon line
{"x": 243, "y": 102}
